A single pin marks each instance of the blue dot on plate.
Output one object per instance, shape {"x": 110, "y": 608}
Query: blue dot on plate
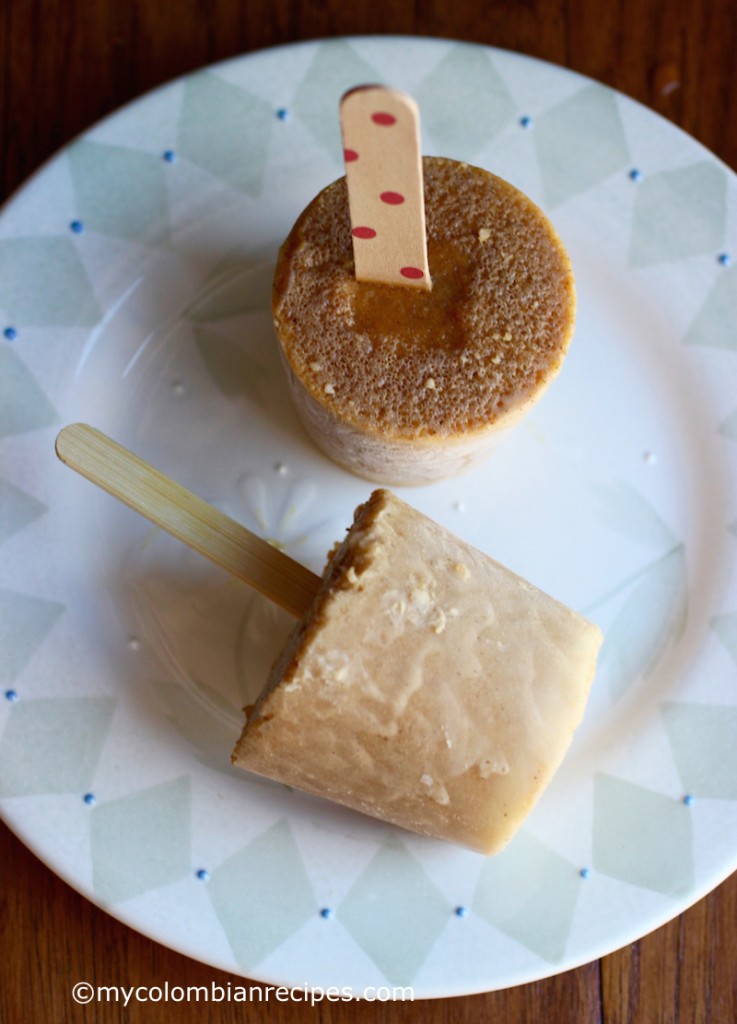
{"x": 10, "y": 333}
{"x": 203, "y": 875}
{"x": 635, "y": 174}
{"x": 526, "y": 121}
{"x": 688, "y": 800}
{"x": 327, "y": 913}
{"x": 461, "y": 911}
{"x": 11, "y": 695}
{"x": 724, "y": 259}
{"x": 90, "y": 799}
{"x": 169, "y": 155}
{"x": 283, "y": 114}
{"x": 77, "y": 227}
{"x": 585, "y": 872}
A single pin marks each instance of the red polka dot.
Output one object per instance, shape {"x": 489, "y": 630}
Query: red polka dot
{"x": 393, "y": 198}
{"x": 364, "y": 233}
{"x": 349, "y": 155}
{"x": 412, "y": 272}
{"x": 381, "y": 118}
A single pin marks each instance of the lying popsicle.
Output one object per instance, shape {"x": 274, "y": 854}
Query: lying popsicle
{"x": 425, "y": 684}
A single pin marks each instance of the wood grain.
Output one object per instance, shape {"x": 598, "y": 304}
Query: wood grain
{"x": 66, "y": 63}
{"x": 51, "y": 937}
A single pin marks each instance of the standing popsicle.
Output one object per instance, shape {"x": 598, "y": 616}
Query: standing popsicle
{"x": 394, "y": 380}
{"x": 424, "y": 684}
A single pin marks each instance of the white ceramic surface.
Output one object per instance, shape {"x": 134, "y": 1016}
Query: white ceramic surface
{"x": 134, "y": 294}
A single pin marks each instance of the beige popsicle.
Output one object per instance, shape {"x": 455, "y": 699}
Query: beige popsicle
{"x": 425, "y": 684}
{"x": 397, "y": 381}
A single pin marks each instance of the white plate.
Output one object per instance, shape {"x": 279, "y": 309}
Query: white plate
{"x": 134, "y": 294}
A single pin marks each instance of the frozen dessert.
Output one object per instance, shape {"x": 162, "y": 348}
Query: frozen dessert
{"x": 406, "y": 386}
{"x": 426, "y": 685}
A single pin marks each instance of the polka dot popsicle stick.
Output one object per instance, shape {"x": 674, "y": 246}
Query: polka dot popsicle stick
{"x": 381, "y": 146}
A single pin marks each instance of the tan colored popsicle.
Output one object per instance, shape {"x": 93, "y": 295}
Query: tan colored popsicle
{"x": 405, "y": 386}
{"x": 428, "y": 685}
{"x": 381, "y": 147}
{"x": 425, "y": 684}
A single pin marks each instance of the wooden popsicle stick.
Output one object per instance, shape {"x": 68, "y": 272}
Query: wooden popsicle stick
{"x": 189, "y": 518}
{"x": 383, "y": 162}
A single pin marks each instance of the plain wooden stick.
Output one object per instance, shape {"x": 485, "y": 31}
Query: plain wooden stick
{"x": 187, "y": 517}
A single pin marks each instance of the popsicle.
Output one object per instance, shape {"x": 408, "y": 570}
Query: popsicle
{"x": 405, "y": 385}
{"x": 424, "y": 683}
{"x": 427, "y": 685}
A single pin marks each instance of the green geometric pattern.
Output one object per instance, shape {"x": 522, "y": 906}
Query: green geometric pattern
{"x": 642, "y": 837}
{"x": 651, "y": 619}
{"x": 234, "y": 371}
{"x": 23, "y": 405}
{"x": 464, "y": 102}
{"x": 725, "y": 627}
{"x": 539, "y": 912}
{"x": 141, "y": 841}
{"x": 226, "y": 131}
{"x": 625, "y": 510}
{"x": 395, "y": 913}
{"x": 120, "y": 191}
{"x": 43, "y": 283}
{"x": 262, "y": 895}
{"x": 24, "y": 623}
{"x": 18, "y": 509}
{"x": 52, "y": 745}
{"x": 703, "y": 738}
{"x": 579, "y": 143}
{"x": 652, "y": 615}
{"x": 335, "y": 68}
{"x": 679, "y": 214}
{"x": 715, "y": 326}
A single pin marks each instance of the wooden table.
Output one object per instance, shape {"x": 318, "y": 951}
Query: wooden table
{"x": 66, "y": 63}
